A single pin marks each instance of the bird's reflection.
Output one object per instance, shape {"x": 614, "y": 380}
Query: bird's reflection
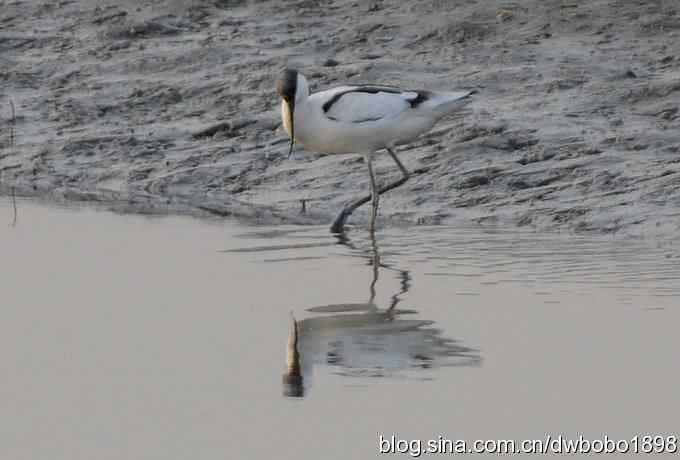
{"x": 361, "y": 339}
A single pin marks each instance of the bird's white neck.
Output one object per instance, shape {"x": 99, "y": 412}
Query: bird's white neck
{"x": 302, "y": 89}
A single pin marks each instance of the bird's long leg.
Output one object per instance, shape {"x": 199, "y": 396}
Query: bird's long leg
{"x": 347, "y": 211}
{"x": 404, "y": 171}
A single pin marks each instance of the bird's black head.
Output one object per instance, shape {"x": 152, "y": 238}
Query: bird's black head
{"x": 286, "y": 86}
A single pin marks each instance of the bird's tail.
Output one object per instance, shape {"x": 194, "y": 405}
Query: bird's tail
{"x": 445, "y": 103}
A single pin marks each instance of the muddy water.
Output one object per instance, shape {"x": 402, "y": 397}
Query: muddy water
{"x": 136, "y": 337}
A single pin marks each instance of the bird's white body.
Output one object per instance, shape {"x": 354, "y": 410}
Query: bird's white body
{"x": 360, "y": 119}
{"x": 364, "y": 119}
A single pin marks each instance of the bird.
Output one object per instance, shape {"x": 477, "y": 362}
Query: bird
{"x": 360, "y": 119}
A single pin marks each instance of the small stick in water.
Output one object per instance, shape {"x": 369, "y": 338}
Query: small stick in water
{"x": 11, "y": 144}
{"x": 14, "y": 121}
{"x": 14, "y": 206}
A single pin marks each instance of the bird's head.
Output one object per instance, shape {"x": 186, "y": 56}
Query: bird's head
{"x": 291, "y": 86}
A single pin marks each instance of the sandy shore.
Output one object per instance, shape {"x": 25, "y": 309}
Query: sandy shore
{"x": 576, "y": 125}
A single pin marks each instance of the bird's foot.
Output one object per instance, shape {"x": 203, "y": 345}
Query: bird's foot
{"x": 339, "y": 222}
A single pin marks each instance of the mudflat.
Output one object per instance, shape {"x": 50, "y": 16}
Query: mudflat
{"x": 169, "y": 105}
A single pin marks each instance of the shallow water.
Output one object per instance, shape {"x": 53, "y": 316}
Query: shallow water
{"x": 136, "y": 337}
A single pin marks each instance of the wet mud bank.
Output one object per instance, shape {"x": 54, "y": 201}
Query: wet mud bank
{"x": 168, "y": 106}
